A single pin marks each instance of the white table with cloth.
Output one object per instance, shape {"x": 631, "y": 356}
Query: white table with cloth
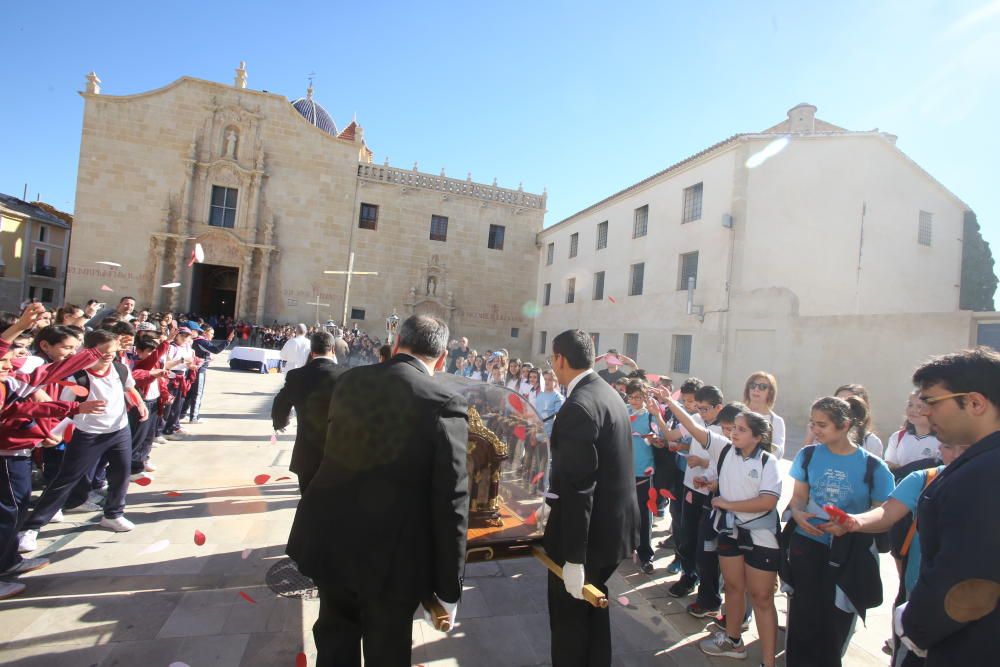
{"x": 254, "y": 359}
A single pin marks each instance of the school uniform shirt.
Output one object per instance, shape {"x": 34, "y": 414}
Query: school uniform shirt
{"x": 547, "y": 404}
{"x": 104, "y": 387}
{"x": 873, "y": 445}
{"x": 908, "y": 492}
{"x": 840, "y": 480}
{"x": 690, "y": 472}
{"x": 745, "y": 479}
{"x": 641, "y": 423}
{"x": 911, "y": 447}
{"x": 777, "y": 435}
{"x": 182, "y": 352}
{"x": 31, "y": 363}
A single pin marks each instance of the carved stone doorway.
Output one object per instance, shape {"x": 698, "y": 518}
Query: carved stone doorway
{"x": 213, "y": 290}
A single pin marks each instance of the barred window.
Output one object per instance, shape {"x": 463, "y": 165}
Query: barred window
{"x": 688, "y": 269}
{"x": 571, "y": 290}
{"x": 925, "y": 227}
{"x": 547, "y": 294}
{"x": 602, "y": 235}
{"x": 631, "y": 346}
{"x": 692, "y": 203}
{"x": 223, "y": 210}
{"x": 543, "y": 337}
{"x": 550, "y": 253}
{"x": 439, "y": 228}
{"x": 574, "y": 242}
{"x": 635, "y": 280}
{"x": 368, "y": 216}
{"x": 598, "y": 285}
{"x": 640, "y": 223}
{"x": 681, "y": 358}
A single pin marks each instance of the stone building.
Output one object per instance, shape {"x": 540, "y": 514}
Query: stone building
{"x": 823, "y": 255}
{"x": 34, "y": 244}
{"x": 276, "y": 196}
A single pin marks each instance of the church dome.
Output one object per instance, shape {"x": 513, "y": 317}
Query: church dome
{"x": 314, "y": 113}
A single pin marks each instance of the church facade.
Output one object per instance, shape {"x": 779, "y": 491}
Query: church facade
{"x": 277, "y": 197}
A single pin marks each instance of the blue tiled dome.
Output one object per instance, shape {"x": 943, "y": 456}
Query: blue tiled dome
{"x": 314, "y": 113}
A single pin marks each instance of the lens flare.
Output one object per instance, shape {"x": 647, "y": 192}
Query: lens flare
{"x": 769, "y": 151}
{"x": 531, "y": 309}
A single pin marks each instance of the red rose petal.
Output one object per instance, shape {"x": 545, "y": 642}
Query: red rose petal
{"x": 623, "y": 601}
{"x": 301, "y": 660}
{"x": 612, "y": 299}
{"x": 633, "y": 418}
{"x": 648, "y": 471}
{"x": 515, "y": 402}
{"x": 652, "y": 494}
{"x": 651, "y": 505}
{"x": 261, "y": 479}
{"x": 520, "y": 432}
{"x": 281, "y": 479}
{"x": 531, "y": 520}
{"x": 199, "y": 538}
{"x": 144, "y": 481}
{"x": 652, "y": 377}
{"x": 666, "y": 494}
{"x": 173, "y": 494}
{"x": 537, "y": 478}
{"x": 247, "y": 598}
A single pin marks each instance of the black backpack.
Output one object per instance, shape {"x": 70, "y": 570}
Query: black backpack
{"x": 82, "y": 378}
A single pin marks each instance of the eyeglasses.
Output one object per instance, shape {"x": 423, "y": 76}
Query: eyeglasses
{"x": 759, "y": 385}
{"x": 551, "y": 358}
{"x": 931, "y": 401}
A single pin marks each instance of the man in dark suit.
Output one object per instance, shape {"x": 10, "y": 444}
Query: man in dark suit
{"x": 594, "y": 522}
{"x": 308, "y": 390}
{"x": 953, "y": 614}
{"x": 382, "y": 526}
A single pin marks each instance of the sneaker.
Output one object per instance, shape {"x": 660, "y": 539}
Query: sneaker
{"x": 698, "y": 611}
{"x": 159, "y": 440}
{"x": 719, "y": 624}
{"x": 174, "y": 436}
{"x": 674, "y": 567}
{"x": 84, "y": 507}
{"x": 118, "y": 524}
{"x": 647, "y": 567}
{"x": 98, "y": 495}
{"x": 195, "y": 421}
{"x": 180, "y": 430}
{"x": 27, "y": 541}
{"x": 721, "y": 645}
{"x": 149, "y": 467}
{"x": 139, "y": 475}
{"x": 57, "y": 517}
{"x": 26, "y": 565}
{"x": 9, "y": 589}
{"x": 684, "y": 586}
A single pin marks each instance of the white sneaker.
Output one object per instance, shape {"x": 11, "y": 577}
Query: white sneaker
{"x": 149, "y": 467}
{"x": 57, "y": 517}
{"x": 174, "y": 436}
{"x": 159, "y": 440}
{"x": 27, "y": 541}
{"x": 721, "y": 645}
{"x": 84, "y": 507}
{"x": 100, "y": 492}
{"x": 9, "y": 589}
{"x": 139, "y": 475}
{"x": 118, "y": 524}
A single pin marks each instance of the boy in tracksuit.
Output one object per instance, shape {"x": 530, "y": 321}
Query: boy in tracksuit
{"x": 203, "y": 348}
{"x": 147, "y": 369}
{"x": 96, "y": 434}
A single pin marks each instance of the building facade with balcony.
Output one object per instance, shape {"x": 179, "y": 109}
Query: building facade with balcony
{"x": 277, "y": 196}
{"x": 823, "y": 255}
{"x": 34, "y": 247}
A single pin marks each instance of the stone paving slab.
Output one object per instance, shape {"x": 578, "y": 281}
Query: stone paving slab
{"x": 153, "y": 597}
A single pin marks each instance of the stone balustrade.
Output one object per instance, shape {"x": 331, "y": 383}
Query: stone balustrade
{"x": 466, "y": 188}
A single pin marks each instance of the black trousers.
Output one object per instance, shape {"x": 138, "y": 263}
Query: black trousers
{"x": 348, "y": 624}
{"x": 82, "y": 452}
{"x": 15, "y": 489}
{"x": 645, "y": 548}
{"x": 143, "y": 433}
{"x": 709, "y": 572}
{"x": 818, "y": 632}
{"x": 581, "y": 633}
{"x": 686, "y": 540}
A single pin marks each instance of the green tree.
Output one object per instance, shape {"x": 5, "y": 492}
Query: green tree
{"x": 979, "y": 281}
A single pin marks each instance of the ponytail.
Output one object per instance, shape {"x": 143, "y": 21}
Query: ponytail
{"x": 860, "y": 418}
{"x": 760, "y": 427}
{"x": 852, "y": 412}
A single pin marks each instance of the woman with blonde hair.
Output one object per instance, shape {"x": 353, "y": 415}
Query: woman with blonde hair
{"x": 759, "y": 394}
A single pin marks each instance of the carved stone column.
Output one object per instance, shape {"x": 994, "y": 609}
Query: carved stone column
{"x": 243, "y": 303}
{"x": 151, "y": 291}
{"x": 265, "y": 267}
{"x": 175, "y": 267}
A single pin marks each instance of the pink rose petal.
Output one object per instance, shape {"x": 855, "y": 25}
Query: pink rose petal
{"x": 622, "y": 600}
{"x": 246, "y": 554}
{"x": 247, "y": 598}
{"x": 105, "y": 288}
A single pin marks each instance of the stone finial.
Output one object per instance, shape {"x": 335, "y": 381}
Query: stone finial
{"x": 442, "y": 172}
{"x": 386, "y": 162}
{"x": 415, "y": 165}
{"x": 494, "y": 181}
{"x": 241, "y": 75}
{"x": 520, "y": 186}
{"x": 309, "y": 91}
{"x": 93, "y": 84}
{"x": 469, "y": 177}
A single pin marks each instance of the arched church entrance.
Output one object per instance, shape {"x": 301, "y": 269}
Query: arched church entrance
{"x": 213, "y": 290}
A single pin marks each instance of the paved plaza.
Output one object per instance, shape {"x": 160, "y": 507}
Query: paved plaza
{"x": 153, "y": 597}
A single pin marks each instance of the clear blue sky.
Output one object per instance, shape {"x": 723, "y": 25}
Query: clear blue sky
{"x": 582, "y": 98}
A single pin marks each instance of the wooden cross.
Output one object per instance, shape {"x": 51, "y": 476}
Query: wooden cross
{"x": 350, "y": 272}
{"x": 318, "y": 304}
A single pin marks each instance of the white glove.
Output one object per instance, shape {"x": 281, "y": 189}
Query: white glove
{"x": 450, "y": 607}
{"x": 897, "y": 625}
{"x": 573, "y": 579}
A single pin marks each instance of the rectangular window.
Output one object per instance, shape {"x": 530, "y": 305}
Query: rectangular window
{"x": 43, "y": 233}
{"x": 641, "y": 221}
{"x": 631, "y": 346}
{"x": 692, "y": 203}
{"x": 515, "y": 332}
{"x": 550, "y": 253}
{"x": 602, "y": 235}
{"x": 368, "y": 216}
{"x": 495, "y": 241}
{"x": 574, "y": 243}
{"x": 688, "y": 269}
{"x": 357, "y": 313}
{"x": 547, "y": 294}
{"x": 681, "y": 357}
{"x": 595, "y": 338}
{"x": 223, "y": 210}
{"x": 635, "y": 280}
{"x": 543, "y": 339}
{"x": 439, "y": 228}
{"x": 598, "y": 285}
{"x": 571, "y": 290}
{"x": 40, "y": 257}
{"x": 925, "y": 228}
{"x": 48, "y": 294}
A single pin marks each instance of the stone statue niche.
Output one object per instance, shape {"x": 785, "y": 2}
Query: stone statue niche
{"x": 434, "y": 276}
{"x": 230, "y": 141}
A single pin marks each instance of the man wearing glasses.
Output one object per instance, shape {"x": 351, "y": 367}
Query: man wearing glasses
{"x": 952, "y": 615}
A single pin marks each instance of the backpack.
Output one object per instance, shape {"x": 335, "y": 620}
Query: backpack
{"x": 82, "y": 378}
{"x": 902, "y": 532}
